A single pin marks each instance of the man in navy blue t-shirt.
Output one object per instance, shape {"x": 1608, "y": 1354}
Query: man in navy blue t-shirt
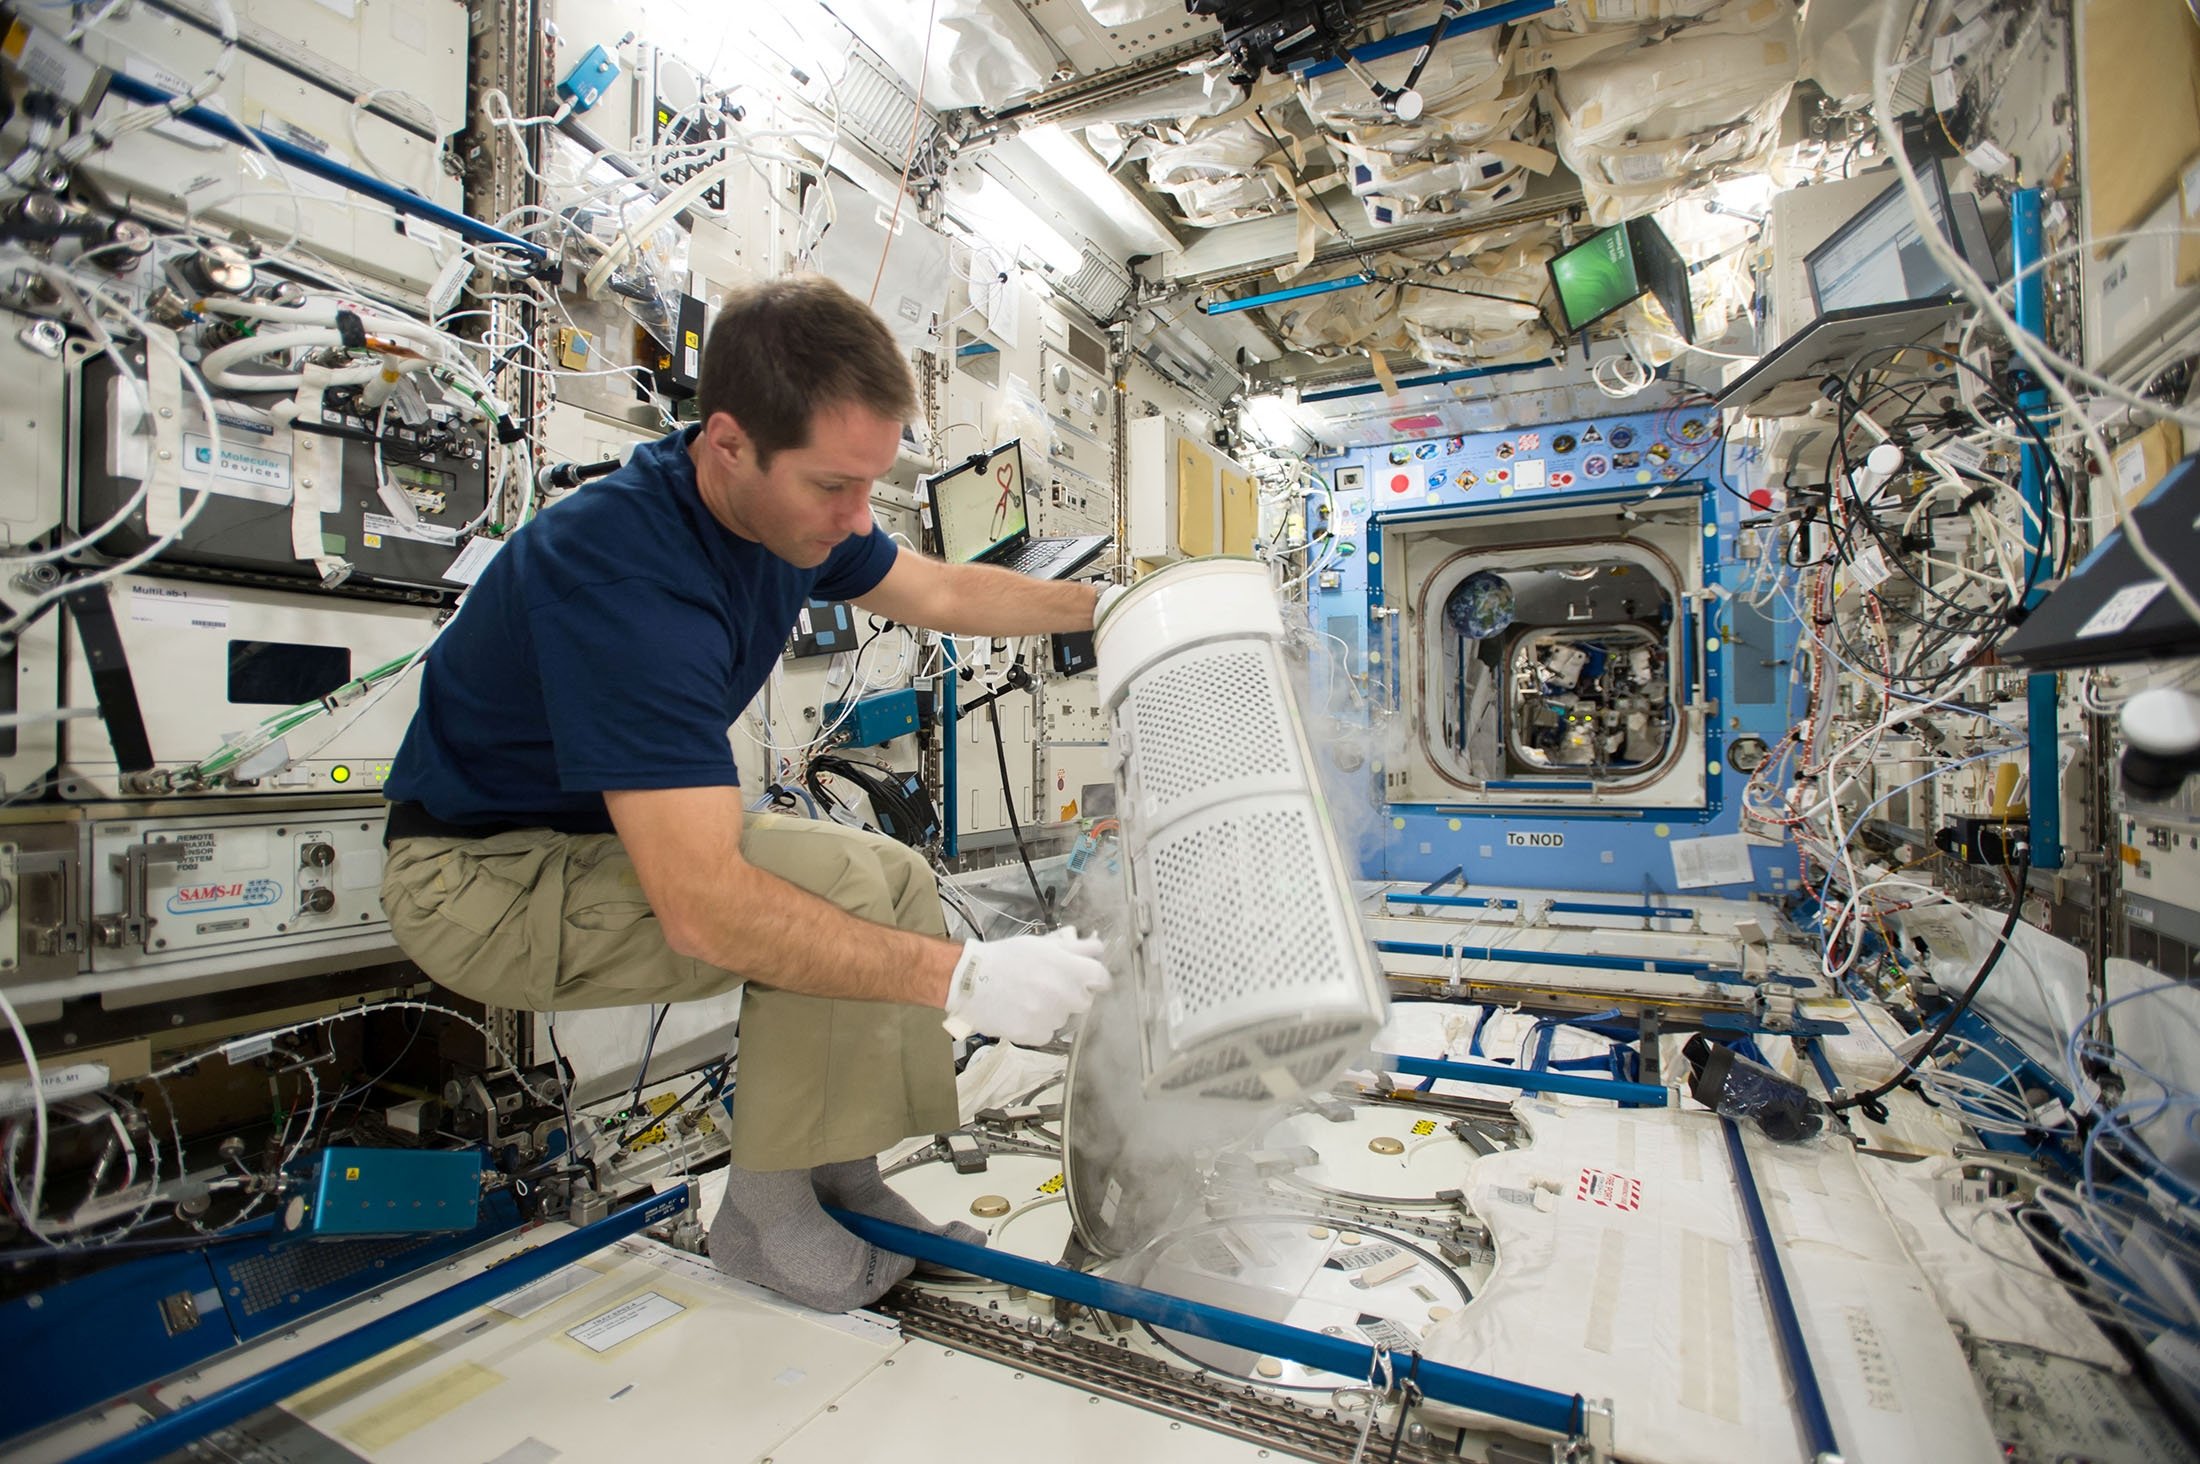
{"x": 567, "y": 828}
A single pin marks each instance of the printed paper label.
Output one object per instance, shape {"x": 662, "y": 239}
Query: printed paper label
{"x": 166, "y": 605}
{"x": 628, "y": 1319}
{"x": 2121, "y": 608}
{"x": 383, "y": 524}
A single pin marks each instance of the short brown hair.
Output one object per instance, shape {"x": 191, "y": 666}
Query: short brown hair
{"x": 782, "y": 349}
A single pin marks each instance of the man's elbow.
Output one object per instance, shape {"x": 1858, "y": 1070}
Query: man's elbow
{"x": 684, "y": 937}
{"x": 686, "y": 928}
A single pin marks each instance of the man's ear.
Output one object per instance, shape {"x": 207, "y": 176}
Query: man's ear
{"x": 723, "y": 431}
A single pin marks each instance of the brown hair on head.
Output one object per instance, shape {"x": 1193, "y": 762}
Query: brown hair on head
{"x": 781, "y": 350}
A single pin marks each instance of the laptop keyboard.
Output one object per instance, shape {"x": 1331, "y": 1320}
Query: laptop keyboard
{"x": 1035, "y": 554}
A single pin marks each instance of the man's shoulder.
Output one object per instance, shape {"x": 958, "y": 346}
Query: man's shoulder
{"x": 640, "y": 499}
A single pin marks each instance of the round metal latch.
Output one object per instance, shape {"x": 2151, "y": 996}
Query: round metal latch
{"x": 989, "y": 1207}
{"x": 220, "y": 269}
{"x": 1747, "y": 754}
{"x": 1386, "y": 1145}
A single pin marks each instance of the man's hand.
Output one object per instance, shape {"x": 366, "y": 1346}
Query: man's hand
{"x": 1024, "y": 988}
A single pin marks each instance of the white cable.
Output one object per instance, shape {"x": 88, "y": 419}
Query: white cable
{"x": 656, "y": 218}
{"x": 2021, "y": 340}
{"x": 15, "y": 624}
{"x": 30, "y": 1208}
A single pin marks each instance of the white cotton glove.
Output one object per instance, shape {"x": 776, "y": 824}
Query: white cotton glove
{"x": 1109, "y": 594}
{"x": 1024, "y": 988}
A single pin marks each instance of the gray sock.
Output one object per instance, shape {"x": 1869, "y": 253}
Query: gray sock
{"x": 771, "y": 1230}
{"x": 857, "y": 1185}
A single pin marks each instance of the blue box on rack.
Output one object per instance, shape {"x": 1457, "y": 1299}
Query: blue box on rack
{"x": 395, "y": 1192}
{"x": 876, "y": 719}
{"x": 584, "y": 84}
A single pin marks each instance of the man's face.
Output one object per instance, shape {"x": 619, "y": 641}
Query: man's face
{"x": 811, "y": 497}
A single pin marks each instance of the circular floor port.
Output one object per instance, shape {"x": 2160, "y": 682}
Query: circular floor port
{"x": 1348, "y": 1281}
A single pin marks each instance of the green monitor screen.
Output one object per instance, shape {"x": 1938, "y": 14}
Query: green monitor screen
{"x": 1595, "y": 278}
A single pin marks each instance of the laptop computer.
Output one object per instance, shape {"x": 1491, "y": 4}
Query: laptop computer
{"x": 1613, "y": 268}
{"x": 2112, "y": 608}
{"x": 980, "y": 513}
{"x": 1874, "y": 283}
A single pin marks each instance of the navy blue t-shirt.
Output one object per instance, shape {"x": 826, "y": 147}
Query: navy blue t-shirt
{"x": 610, "y": 644}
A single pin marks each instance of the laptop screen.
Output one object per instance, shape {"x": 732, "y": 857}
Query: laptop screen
{"x": 1595, "y": 278}
{"x": 980, "y": 505}
{"x": 1665, "y": 272}
{"x": 1882, "y": 257}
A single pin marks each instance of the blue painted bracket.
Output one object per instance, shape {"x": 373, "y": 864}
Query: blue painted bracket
{"x": 1556, "y": 907}
{"x": 171, "y": 1432}
{"x": 949, "y": 794}
{"x": 2027, "y": 245}
{"x": 1277, "y": 297}
{"x": 1787, "y": 1326}
{"x": 1816, "y": 1052}
{"x": 1439, "y": 378}
{"x": 1542, "y": 1408}
{"x": 1632, "y": 912}
{"x": 1411, "y": 40}
{"x": 1641, "y": 1095}
{"x": 1702, "y": 970}
{"x": 305, "y": 160}
{"x": 1475, "y": 902}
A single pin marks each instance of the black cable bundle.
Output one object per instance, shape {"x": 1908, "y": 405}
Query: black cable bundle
{"x": 904, "y": 815}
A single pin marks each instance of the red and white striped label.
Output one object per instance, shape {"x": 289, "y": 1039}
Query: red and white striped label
{"x": 1613, "y": 1191}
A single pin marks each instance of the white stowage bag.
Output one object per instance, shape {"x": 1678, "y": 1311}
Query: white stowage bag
{"x": 1441, "y": 188}
{"x": 1644, "y": 124}
{"x": 983, "y": 52}
{"x": 1216, "y": 177}
{"x": 1582, "y": 17}
{"x": 1466, "y": 154}
{"x": 1346, "y": 320}
{"x": 1465, "y": 69}
{"x": 1134, "y": 12}
{"x": 1500, "y": 320}
{"x": 1504, "y": 108}
{"x": 1457, "y": 180}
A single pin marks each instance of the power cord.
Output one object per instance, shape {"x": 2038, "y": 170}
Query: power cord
{"x": 1869, "y": 1100}
{"x": 1015, "y": 679}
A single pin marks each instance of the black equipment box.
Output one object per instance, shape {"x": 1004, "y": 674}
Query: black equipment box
{"x": 439, "y": 465}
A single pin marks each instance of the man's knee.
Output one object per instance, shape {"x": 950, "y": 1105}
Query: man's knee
{"x": 846, "y": 871}
{"x": 914, "y": 890}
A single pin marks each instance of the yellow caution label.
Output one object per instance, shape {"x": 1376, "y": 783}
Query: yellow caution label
{"x": 351, "y": 1172}
{"x": 691, "y": 338}
{"x": 1052, "y": 1186}
{"x": 1425, "y": 1127}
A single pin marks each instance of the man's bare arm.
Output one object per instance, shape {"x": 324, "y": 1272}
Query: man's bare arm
{"x": 717, "y": 907}
{"x": 978, "y": 599}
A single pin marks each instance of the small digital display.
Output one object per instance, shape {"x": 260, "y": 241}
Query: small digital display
{"x": 1595, "y": 278}
{"x": 426, "y": 480}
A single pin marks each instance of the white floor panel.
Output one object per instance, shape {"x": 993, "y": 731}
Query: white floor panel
{"x": 629, "y": 1345}
{"x": 929, "y": 1405}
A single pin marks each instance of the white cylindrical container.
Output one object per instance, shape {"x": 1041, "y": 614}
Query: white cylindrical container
{"x": 1251, "y": 974}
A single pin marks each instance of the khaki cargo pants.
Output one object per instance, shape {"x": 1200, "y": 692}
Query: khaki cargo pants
{"x": 543, "y": 921}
